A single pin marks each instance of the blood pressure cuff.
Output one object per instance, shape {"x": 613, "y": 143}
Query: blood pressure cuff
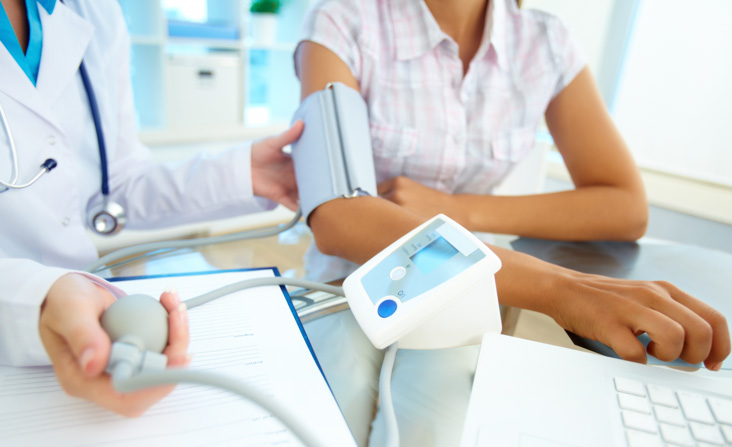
{"x": 333, "y": 157}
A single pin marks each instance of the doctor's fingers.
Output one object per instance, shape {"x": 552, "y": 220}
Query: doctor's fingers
{"x": 289, "y": 200}
{"x": 99, "y": 389}
{"x": 269, "y": 150}
{"x": 287, "y": 137}
{"x": 178, "y": 329}
{"x": 71, "y": 311}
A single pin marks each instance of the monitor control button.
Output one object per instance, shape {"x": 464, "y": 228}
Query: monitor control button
{"x": 398, "y": 273}
{"x": 387, "y": 308}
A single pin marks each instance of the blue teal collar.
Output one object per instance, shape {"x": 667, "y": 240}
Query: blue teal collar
{"x": 29, "y": 61}
{"x": 48, "y": 5}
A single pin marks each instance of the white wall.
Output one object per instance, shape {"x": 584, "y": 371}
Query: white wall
{"x": 664, "y": 67}
{"x": 674, "y": 101}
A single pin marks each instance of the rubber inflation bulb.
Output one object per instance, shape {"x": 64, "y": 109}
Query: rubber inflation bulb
{"x": 139, "y": 320}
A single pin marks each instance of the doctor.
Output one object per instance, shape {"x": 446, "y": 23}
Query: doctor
{"x": 48, "y": 311}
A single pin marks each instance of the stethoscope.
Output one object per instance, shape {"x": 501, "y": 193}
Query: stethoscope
{"x": 107, "y": 218}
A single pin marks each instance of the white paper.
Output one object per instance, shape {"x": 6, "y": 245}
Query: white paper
{"x": 251, "y": 335}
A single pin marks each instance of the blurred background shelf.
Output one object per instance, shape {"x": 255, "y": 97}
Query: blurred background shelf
{"x": 199, "y": 74}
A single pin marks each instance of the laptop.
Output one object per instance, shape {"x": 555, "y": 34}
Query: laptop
{"x": 529, "y": 394}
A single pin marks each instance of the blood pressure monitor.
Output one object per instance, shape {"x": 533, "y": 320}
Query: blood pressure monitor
{"x": 433, "y": 288}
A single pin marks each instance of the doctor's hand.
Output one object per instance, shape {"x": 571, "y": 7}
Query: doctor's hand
{"x": 616, "y": 311}
{"x": 419, "y": 199}
{"x": 273, "y": 175}
{"x": 79, "y": 348}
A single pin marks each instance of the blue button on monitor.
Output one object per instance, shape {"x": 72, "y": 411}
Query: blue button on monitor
{"x": 387, "y": 308}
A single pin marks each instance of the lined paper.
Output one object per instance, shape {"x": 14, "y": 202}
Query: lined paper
{"x": 251, "y": 335}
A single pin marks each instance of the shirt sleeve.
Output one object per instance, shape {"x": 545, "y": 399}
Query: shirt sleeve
{"x": 154, "y": 195}
{"x": 568, "y": 55}
{"x": 201, "y": 188}
{"x": 336, "y": 25}
{"x": 25, "y": 284}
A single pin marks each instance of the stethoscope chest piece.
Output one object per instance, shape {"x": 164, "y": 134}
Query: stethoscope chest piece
{"x": 107, "y": 219}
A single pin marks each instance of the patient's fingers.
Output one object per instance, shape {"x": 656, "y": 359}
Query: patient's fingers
{"x": 615, "y": 311}
{"x": 720, "y": 336}
{"x": 385, "y": 187}
{"x": 624, "y": 342}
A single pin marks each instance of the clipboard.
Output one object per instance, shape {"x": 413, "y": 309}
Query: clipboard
{"x": 254, "y": 335}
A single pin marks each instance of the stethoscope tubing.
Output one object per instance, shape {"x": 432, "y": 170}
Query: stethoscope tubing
{"x": 13, "y": 150}
{"x": 13, "y": 184}
{"x": 97, "y": 128}
{"x": 50, "y": 163}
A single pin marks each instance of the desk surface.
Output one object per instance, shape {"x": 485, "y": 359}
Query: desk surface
{"x": 286, "y": 252}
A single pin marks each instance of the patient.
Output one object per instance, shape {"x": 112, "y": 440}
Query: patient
{"x": 455, "y": 94}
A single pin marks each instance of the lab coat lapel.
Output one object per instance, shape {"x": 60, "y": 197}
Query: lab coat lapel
{"x": 66, "y": 37}
{"x": 15, "y": 84}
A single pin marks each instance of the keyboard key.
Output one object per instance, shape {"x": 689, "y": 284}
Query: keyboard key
{"x": 672, "y": 416}
{"x": 676, "y": 435}
{"x": 707, "y": 433}
{"x": 635, "y": 403}
{"x": 641, "y": 439}
{"x": 629, "y": 386}
{"x": 660, "y": 395}
{"x": 706, "y": 444}
{"x": 639, "y": 421}
{"x": 695, "y": 407}
{"x": 722, "y": 410}
{"x": 727, "y": 431}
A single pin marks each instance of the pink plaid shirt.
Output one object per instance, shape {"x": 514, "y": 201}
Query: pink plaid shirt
{"x": 454, "y": 133}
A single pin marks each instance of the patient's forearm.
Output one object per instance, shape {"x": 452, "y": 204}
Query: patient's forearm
{"x": 357, "y": 229}
{"x": 589, "y": 213}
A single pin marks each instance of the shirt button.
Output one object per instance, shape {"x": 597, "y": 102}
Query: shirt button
{"x": 51, "y": 140}
{"x": 66, "y": 221}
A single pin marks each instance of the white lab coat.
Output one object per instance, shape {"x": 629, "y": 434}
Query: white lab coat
{"x": 43, "y": 231}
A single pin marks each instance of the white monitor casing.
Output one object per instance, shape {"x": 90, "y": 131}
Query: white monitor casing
{"x": 456, "y": 301}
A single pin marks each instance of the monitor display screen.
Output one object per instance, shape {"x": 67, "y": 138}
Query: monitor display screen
{"x": 433, "y": 255}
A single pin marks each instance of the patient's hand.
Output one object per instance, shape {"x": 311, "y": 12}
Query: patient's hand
{"x": 419, "y": 199}
{"x": 79, "y": 348}
{"x": 616, "y": 311}
{"x": 273, "y": 175}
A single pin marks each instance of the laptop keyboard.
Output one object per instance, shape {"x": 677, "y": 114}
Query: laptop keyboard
{"x": 659, "y": 416}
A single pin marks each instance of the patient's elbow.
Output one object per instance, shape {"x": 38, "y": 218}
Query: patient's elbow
{"x": 637, "y": 228}
{"x": 325, "y": 244}
{"x": 635, "y": 222}
{"x": 324, "y": 232}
